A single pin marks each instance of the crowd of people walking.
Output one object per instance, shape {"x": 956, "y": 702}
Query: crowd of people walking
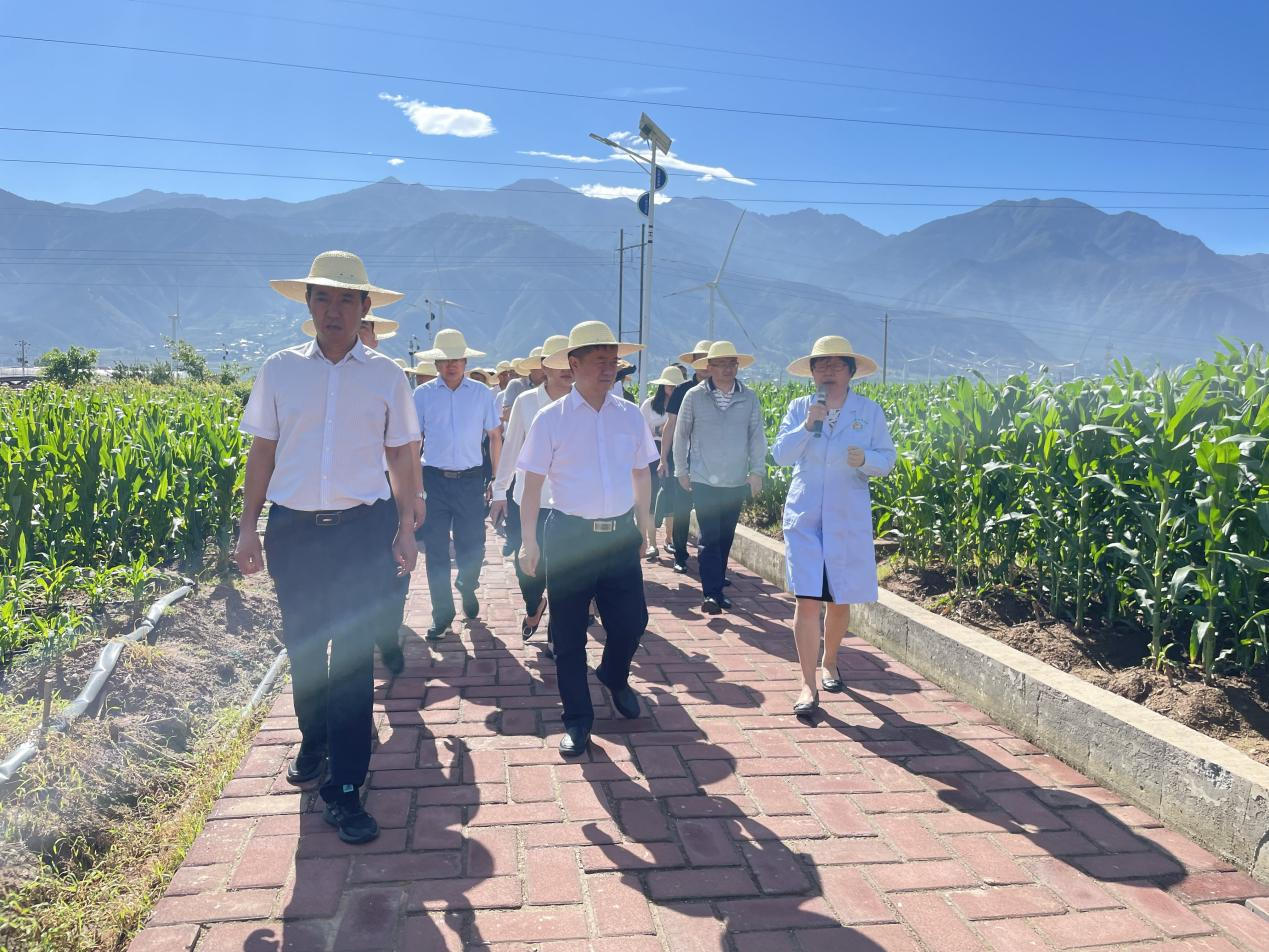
{"x": 551, "y": 449}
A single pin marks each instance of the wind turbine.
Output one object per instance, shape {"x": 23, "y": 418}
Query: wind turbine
{"x": 713, "y": 287}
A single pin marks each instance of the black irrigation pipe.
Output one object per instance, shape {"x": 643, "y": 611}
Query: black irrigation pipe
{"x": 101, "y": 673}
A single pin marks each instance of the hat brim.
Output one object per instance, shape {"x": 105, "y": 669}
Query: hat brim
{"x": 294, "y": 289}
{"x": 744, "y": 359}
{"x": 468, "y": 354}
{"x": 559, "y": 359}
{"x": 662, "y": 382}
{"x": 691, "y": 357}
{"x": 864, "y": 366}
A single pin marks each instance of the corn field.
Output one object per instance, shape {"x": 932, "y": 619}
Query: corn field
{"x": 1137, "y": 502}
{"x": 98, "y": 486}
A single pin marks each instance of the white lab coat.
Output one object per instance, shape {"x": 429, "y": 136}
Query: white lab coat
{"x": 828, "y": 512}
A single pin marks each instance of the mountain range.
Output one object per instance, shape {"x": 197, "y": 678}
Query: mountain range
{"x": 1011, "y": 284}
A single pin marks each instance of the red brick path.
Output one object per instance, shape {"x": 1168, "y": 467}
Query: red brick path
{"x": 903, "y": 820}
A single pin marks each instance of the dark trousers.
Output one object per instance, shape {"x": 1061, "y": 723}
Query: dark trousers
{"x": 330, "y": 582}
{"x": 717, "y": 512}
{"x": 532, "y": 587}
{"x": 584, "y": 564}
{"x": 454, "y": 506}
{"x": 388, "y": 630}
{"x": 513, "y": 521}
{"x": 682, "y": 513}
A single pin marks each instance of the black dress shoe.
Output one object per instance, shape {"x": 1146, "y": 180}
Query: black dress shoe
{"x": 711, "y": 606}
{"x": 471, "y": 606}
{"x": 625, "y": 702}
{"x": 680, "y": 568}
{"x": 574, "y": 742}
{"x": 437, "y": 632}
{"x": 355, "y": 825}
{"x": 806, "y": 709}
{"x": 393, "y": 659}
{"x": 725, "y": 602}
{"x": 305, "y": 767}
{"x": 833, "y": 683}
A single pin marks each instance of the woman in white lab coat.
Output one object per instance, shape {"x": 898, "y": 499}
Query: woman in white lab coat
{"x": 828, "y": 528}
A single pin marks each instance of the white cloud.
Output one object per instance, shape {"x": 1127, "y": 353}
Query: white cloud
{"x": 671, "y": 160}
{"x": 432, "y": 120}
{"x": 395, "y": 162}
{"x": 618, "y": 191}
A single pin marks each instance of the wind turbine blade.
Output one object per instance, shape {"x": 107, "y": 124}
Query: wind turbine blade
{"x": 730, "y": 244}
{"x": 699, "y": 287}
{"x": 739, "y": 322}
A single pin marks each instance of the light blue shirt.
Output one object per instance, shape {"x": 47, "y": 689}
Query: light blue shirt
{"x": 453, "y": 422}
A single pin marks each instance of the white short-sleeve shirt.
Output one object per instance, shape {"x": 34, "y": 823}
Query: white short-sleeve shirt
{"x": 588, "y": 457}
{"x": 453, "y": 422}
{"x": 331, "y": 423}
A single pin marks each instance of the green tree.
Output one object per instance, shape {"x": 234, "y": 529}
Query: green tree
{"x": 188, "y": 360}
{"x": 71, "y": 367}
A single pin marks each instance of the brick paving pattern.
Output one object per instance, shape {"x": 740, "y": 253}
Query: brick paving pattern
{"x": 903, "y": 820}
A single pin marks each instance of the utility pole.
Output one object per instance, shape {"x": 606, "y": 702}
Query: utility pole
{"x": 643, "y": 246}
{"x": 22, "y": 346}
{"x": 621, "y": 277}
{"x": 885, "y": 346}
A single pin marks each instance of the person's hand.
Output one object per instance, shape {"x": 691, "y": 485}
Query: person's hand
{"x": 488, "y": 492}
{"x": 405, "y": 551}
{"x": 755, "y": 485}
{"x": 662, "y": 470}
{"x": 855, "y": 456}
{"x": 497, "y": 511}
{"x": 418, "y": 510}
{"x": 816, "y": 413}
{"x": 248, "y": 555}
{"x": 685, "y": 483}
{"x": 529, "y": 556}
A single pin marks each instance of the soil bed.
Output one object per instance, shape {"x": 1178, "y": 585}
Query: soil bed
{"x": 1233, "y": 708}
{"x": 210, "y": 652}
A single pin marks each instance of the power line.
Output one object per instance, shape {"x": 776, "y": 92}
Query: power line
{"x": 589, "y": 97}
{"x": 520, "y": 24}
{"x": 678, "y": 67}
{"x": 1040, "y": 203}
{"x": 590, "y": 170}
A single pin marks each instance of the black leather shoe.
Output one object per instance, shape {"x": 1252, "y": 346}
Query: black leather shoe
{"x": 574, "y": 742}
{"x": 437, "y": 632}
{"x": 711, "y": 606}
{"x": 726, "y": 582}
{"x": 305, "y": 767}
{"x": 680, "y": 568}
{"x": 625, "y": 702}
{"x": 393, "y": 659}
{"x": 471, "y": 606}
{"x": 806, "y": 709}
{"x": 833, "y": 684}
{"x": 355, "y": 825}
{"x": 725, "y": 602}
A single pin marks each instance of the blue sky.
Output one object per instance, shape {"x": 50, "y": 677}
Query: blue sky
{"x": 1199, "y": 62}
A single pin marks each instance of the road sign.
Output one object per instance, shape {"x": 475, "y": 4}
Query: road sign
{"x": 660, "y": 178}
{"x": 643, "y": 203}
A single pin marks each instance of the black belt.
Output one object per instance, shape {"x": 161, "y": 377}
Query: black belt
{"x": 326, "y": 517}
{"x": 456, "y": 473}
{"x": 597, "y": 525}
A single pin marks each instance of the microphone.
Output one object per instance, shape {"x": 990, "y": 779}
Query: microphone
{"x": 821, "y": 398}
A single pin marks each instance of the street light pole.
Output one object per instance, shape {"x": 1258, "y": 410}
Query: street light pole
{"x": 645, "y": 319}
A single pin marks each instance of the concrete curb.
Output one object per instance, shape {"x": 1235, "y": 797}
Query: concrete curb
{"x": 1193, "y": 783}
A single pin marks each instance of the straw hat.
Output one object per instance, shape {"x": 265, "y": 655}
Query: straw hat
{"x": 384, "y": 327}
{"x": 719, "y": 350}
{"x": 478, "y": 374}
{"x": 671, "y": 376}
{"x": 702, "y": 347}
{"x": 552, "y": 345}
{"x": 522, "y": 365}
{"x": 424, "y": 368}
{"x": 833, "y": 346}
{"x": 450, "y": 345}
{"x": 504, "y": 366}
{"x": 588, "y": 334}
{"x": 335, "y": 269}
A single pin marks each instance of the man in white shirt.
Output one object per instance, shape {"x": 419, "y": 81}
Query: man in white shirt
{"x": 324, "y": 416}
{"x": 506, "y": 497}
{"x": 455, "y": 413}
{"x": 591, "y": 451}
